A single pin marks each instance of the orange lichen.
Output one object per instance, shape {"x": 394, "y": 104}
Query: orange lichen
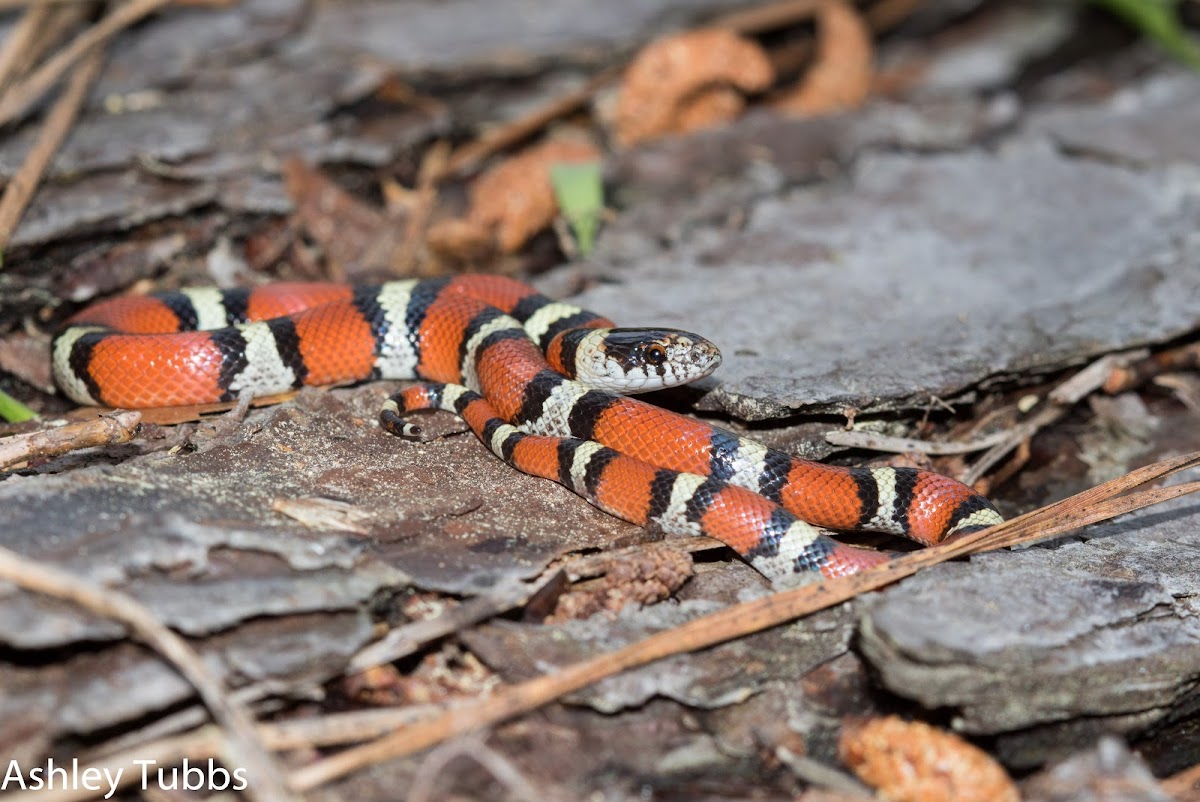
{"x": 669, "y": 86}
{"x": 515, "y": 199}
{"x": 841, "y": 76}
{"x": 910, "y": 761}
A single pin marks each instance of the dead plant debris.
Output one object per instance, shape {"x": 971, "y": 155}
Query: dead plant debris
{"x": 515, "y": 199}
{"x": 840, "y": 78}
{"x": 118, "y": 427}
{"x": 349, "y": 232}
{"x": 641, "y": 577}
{"x": 682, "y": 83}
{"x": 910, "y": 761}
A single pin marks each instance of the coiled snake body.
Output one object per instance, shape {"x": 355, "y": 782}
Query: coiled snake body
{"x": 510, "y": 361}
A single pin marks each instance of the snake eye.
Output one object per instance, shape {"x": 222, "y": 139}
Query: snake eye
{"x": 656, "y": 354}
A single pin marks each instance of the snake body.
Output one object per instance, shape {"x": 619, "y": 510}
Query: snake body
{"x": 506, "y": 358}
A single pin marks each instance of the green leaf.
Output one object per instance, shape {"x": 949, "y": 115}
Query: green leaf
{"x": 1158, "y": 20}
{"x": 13, "y": 410}
{"x": 579, "y": 189}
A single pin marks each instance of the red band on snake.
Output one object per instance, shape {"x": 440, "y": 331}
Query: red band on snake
{"x": 469, "y": 331}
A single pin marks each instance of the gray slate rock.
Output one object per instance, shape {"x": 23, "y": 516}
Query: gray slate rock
{"x": 1103, "y": 633}
{"x": 455, "y": 38}
{"x": 94, "y": 690}
{"x": 723, "y": 675}
{"x": 924, "y": 276}
{"x": 1153, "y": 123}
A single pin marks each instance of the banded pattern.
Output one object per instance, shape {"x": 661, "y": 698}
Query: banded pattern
{"x": 920, "y": 505}
{"x": 635, "y": 460}
{"x": 776, "y": 543}
{"x": 207, "y": 345}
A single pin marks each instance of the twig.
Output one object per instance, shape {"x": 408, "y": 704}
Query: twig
{"x": 24, "y": 94}
{"x": 470, "y": 156}
{"x": 407, "y": 639}
{"x": 473, "y": 747}
{"x": 764, "y": 18}
{"x": 904, "y": 445}
{"x": 1069, "y": 392}
{"x": 814, "y": 772}
{"x": 1126, "y": 377}
{"x": 987, "y": 484}
{"x": 1059, "y": 401}
{"x": 1093, "y": 377}
{"x": 192, "y": 717}
{"x": 18, "y": 45}
{"x": 241, "y": 744}
{"x": 119, "y": 427}
{"x": 336, "y": 729}
{"x": 58, "y": 123}
{"x": 1096, "y": 504}
{"x": 1015, "y": 436}
{"x": 733, "y": 622}
{"x": 7, "y": 4}
{"x": 889, "y": 13}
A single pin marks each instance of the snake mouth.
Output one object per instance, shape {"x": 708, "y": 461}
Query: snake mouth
{"x": 695, "y": 366}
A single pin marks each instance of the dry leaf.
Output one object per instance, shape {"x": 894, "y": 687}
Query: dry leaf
{"x": 841, "y": 77}
{"x": 708, "y": 108}
{"x": 348, "y": 231}
{"x": 24, "y": 356}
{"x": 910, "y": 761}
{"x": 515, "y": 198}
{"x": 666, "y": 87}
{"x": 461, "y": 243}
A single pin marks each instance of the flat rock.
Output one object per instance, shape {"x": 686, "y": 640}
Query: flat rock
{"x": 92, "y": 690}
{"x": 461, "y": 37}
{"x": 724, "y": 675}
{"x": 197, "y": 538}
{"x": 1150, "y": 123}
{"x": 195, "y": 535}
{"x": 1022, "y": 642}
{"x": 920, "y": 277}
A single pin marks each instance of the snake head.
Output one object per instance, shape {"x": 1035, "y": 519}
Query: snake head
{"x": 631, "y": 360}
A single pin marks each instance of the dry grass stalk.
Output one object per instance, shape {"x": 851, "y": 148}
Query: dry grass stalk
{"x": 58, "y": 123}
{"x": 240, "y": 744}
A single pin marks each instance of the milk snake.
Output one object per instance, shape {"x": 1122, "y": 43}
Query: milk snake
{"x": 501, "y": 355}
